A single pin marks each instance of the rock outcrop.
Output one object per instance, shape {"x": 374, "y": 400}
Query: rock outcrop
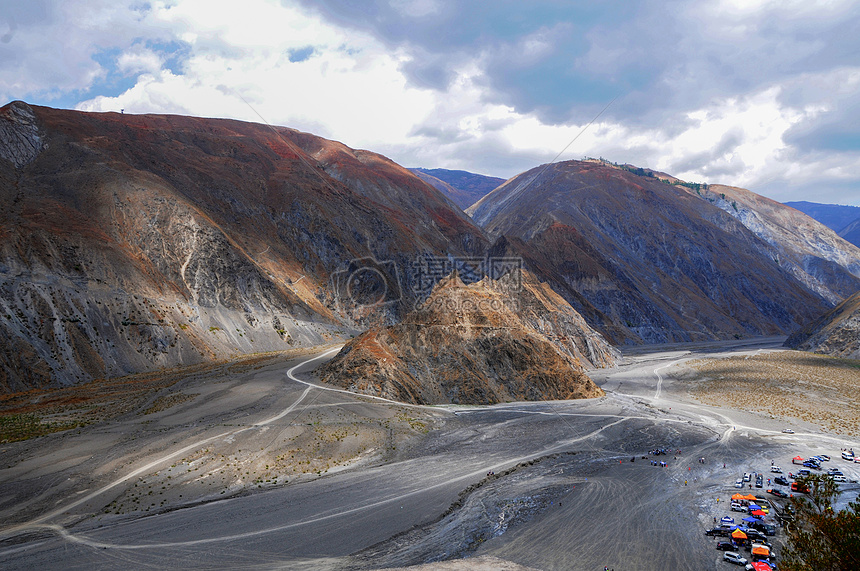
{"x": 482, "y": 343}
{"x": 20, "y": 141}
{"x": 836, "y": 333}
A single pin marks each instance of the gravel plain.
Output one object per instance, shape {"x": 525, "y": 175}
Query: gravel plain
{"x": 258, "y": 467}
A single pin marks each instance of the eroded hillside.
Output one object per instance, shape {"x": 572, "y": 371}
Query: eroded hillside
{"x": 486, "y": 342}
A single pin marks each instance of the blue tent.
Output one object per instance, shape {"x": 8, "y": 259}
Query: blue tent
{"x": 727, "y": 519}
{"x": 751, "y": 519}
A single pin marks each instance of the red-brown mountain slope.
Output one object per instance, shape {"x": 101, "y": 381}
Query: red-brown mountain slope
{"x": 641, "y": 259}
{"x": 132, "y": 242}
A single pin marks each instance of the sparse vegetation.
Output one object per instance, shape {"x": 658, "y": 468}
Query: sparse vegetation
{"x": 15, "y": 427}
{"x": 786, "y": 384}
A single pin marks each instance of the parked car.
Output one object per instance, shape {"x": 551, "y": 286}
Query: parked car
{"x": 788, "y": 431}
{"x": 835, "y": 471}
{"x": 857, "y": 460}
{"x": 777, "y": 493}
{"x": 812, "y": 464}
{"x": 776, "y": 469}
{"x": 755, "y": 535}
{"x": 739, "y": 483}
{"x": 747, "y": 476}
{"x": 734, "y": 557}
{"x": 839, "y": 478}
{"x": 718, "y": 532}
{"x": 736, "y": 507}
{"x": 848, "y": 456}
{"x": 759, "y": 481}
{"x": 725, "y": 545}
{"x": 802, "y": 473}
{"x": 765, "y": 528}
{"x": 780, "y": 480}
{"x": 798, "y": 487}
{"x": 824, "y": 457}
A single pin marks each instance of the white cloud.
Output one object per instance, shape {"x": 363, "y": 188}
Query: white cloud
{"x": 736, "y": 92}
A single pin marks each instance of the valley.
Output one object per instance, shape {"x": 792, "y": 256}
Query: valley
{"x": 265, "y": 468}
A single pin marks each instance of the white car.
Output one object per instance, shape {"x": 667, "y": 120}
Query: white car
{"x": 776, "y": 469}
{"x": 734, "y": 557}
{"x": 787, "y": 431}
{"x": 747, "y": 476}
{"x": 848, "y": 456}
{"x": 839, "y": 478}
{"x": 739, "y": 483}
{"x": 736, "y": 507}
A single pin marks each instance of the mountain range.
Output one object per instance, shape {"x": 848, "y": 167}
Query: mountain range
{"x": 462, "y": 187}
{"x": 132, "y": 243}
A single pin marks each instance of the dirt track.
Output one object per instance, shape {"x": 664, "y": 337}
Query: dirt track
{"x": 564, "y": 495}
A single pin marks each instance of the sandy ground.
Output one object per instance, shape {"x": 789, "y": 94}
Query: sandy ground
{"x": 254, "y": 468}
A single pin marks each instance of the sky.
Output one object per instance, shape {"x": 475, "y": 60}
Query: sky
{"x": 753, "y": 93}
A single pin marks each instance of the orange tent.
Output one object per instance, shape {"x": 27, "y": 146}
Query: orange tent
{"x": 760, "y": 551}
{"x": 750, "y": 497}
{"x": 738, "y": 497}
{"x": 738, "y": 534}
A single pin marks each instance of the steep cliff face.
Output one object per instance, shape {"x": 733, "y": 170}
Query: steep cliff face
{"x": 836, "y": 333}
{"x": 643, "y": 260}
{"x": 129, "y": 243}
{"x": 483, "y": 343}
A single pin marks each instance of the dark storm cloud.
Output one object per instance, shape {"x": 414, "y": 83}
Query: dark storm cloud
{"x": 529, "y": 51}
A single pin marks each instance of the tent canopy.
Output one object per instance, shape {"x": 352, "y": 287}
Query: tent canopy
{"x": 761, "y": 551}
{"x": 727, "y": 519}
{"x": 750, "y": 497}
{"x": 761, "y": 566}
{"x": 758, "y": 513}
{"x": 738, "y": 497}
{"x": 798, "y": 458}
{"x": 738, "y": 534}
{"x": 751, "y": 519}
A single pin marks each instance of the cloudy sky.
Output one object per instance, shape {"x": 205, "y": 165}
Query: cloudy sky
{"x": 754, "y": 93}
